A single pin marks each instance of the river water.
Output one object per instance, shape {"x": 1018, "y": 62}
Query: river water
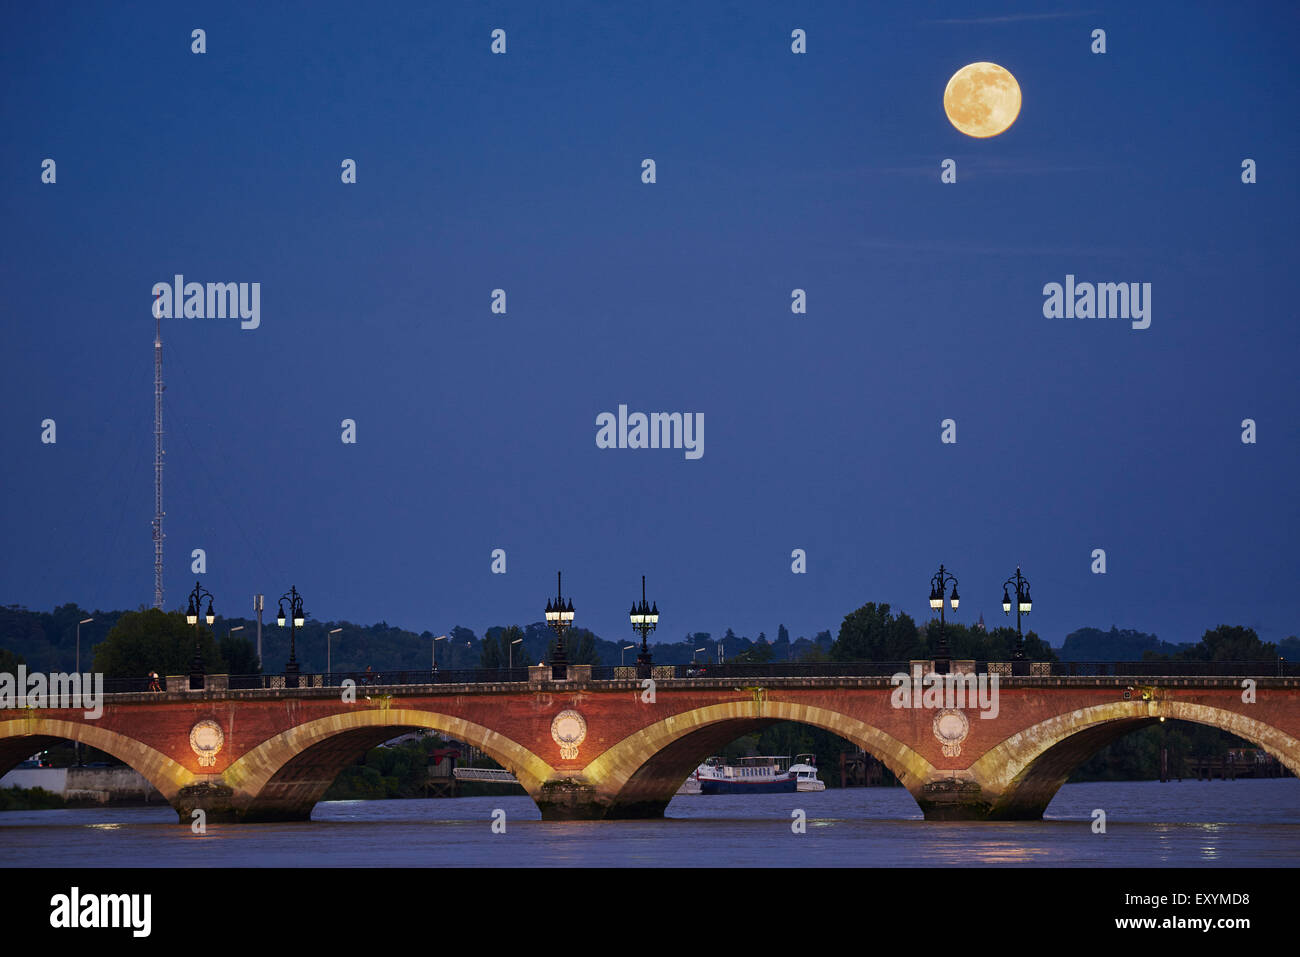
{"x": 1249, "y": 823}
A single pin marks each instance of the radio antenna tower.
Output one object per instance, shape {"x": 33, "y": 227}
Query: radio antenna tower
{"x": 157, "y": 457}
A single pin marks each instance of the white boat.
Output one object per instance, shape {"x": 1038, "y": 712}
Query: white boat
{"x": 761, "y": 774}
{"x": 804, "y": 771}
{"x": 764, "y": 774}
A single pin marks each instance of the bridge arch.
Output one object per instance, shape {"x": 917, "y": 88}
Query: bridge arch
{"x": 1020, "y": 776}
{"x": 286, "y": 775}
{"x": 22, "y": 737}
{"x": 639, "y": 775}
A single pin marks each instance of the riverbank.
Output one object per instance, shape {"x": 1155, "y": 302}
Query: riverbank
{"x": 29, "y": 799}
{"x": 82, "y": 786}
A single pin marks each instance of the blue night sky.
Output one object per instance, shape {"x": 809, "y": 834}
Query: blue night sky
{"x": 775, "y": 171}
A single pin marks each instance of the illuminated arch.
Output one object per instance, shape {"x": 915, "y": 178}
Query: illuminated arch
{"x": 284, "y": 776}
{"x": 639, "y": 775}
{"x": 1024, "y": 772}
{"x": 167, "y": 776}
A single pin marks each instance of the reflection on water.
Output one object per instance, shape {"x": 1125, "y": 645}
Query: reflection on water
{"x": 1188, "y": 824}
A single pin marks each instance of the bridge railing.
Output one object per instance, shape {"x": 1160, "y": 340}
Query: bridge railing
{"x": 1058, "y": 669}
{"x": 128, "y": 685}
{"x": 369, "y": 679}
{"x": 745, "y": 671}
{"x": 1264, "y": 668}
{"x": 770, "y": 669}
{"x": 362, "y": 679}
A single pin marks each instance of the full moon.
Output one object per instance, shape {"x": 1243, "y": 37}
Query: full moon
{"x": 982, "y": 99}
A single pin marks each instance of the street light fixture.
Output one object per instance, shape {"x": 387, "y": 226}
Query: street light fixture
{"x": 329, "y": 661}
{"x": 560, "y": 617}
{"x": 645, "y": 619}
{"x": 434, "y": 645}
{"x": 298, "y": 617}
{"x": 517, "y": 641}
{"x": 1024, "y": 605}
{"x": 192, "y": 618}
{"x": 937, "y": 586}
{"x": 84, "y": 621}
{"x": 622, "y": 653}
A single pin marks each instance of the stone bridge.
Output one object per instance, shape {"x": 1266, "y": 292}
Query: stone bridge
{"x": 591, "y": 749}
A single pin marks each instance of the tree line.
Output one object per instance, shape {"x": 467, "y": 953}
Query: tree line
{"x": 133, "y": 643}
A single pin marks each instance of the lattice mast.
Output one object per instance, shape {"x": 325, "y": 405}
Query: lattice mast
{"x": 157, "y": 459}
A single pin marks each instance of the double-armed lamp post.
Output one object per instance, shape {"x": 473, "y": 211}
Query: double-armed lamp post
{"x": 645, "y": 618}
{"x": 1019, "y": 666}
{"x": 560, "y": 617}
{"x": 298, "y": 618}
{"x": 938, "y": 584}
{"x": 192, "y": 618}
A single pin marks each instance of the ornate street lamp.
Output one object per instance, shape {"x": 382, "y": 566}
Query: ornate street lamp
{"x": 297, "y": 617}
{"x": 645, "y": 618}
{"x": 560, "y": 617}
{"x": 937, "y": 586}
{"x": 1019, "y": 666}
{"x": 192, "y": 618}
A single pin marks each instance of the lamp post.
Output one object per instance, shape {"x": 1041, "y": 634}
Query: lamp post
{"x": 258, "y": 601}
{"x": 622, "y": 653}
{"x": 517, "y": 641}
{"x": 297, "y": 617}
{"x": 645, "y": 618}
{"x": 329, "y": 661}
{"x": 937, "y": 586}
{"x": 1019, "y": 666}
{"x": 192, "y": 617}
{"x": 434, "y": 645}
{"x": 230, "y": 631}
{"x": 560, "y": 617}
{"x": 84, "y": 621}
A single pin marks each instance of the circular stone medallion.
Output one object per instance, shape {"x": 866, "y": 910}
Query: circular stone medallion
{"x": 569, "y": 729}
{"x": 206, "y": 740}
{"x": 951, "y": 728}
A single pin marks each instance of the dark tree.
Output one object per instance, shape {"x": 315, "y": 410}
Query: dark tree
{"x": 1231, "y": 643}
{"x": 155, "y": 640}
{"x": 9, "y": 662}
{"x": 239, "y": 654}
{"x": 874, "y": 633}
